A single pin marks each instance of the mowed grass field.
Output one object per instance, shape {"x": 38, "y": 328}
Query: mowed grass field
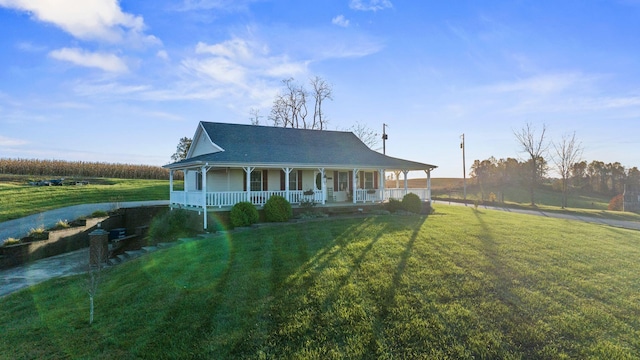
{"x": 545, "y": 196}
{"x": 459, "y": 284}
{"x": 19, "y": 199}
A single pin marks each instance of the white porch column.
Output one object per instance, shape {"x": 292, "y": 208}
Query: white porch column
{"x": 406, "y": 182}
{"x": 382, "y": 183}
{"x": 355, "y": 184}
{"x": 184, "y": 188}
{"x": 204, "y": 194}
{"x": 287, "y": 171}
{"x": 323, "y": 185}
{"x": 248, "y": 170}
{"x": 428, "y": 184}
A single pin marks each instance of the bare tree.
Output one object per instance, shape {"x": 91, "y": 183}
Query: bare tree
{"x": 366, "y": 135}
{"x": 289, "y": 108}
{"x": 255, "y": 116}
{"x": 535, "y": 146}
{"x": 182, "y": 149}
{"x": 321, "y": 91}
{"x": 567, "y": 153}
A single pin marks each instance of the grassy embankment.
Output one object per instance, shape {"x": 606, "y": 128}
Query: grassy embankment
{"x": 461, "y": 283}
{"x": 19, "y": 199}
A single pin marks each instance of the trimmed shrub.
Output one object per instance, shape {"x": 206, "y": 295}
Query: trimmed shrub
{"x": 171, "y": 225}
{"x": 243, "y": 214}
{"x": 11, "y": 241}
{"x": 616, "y": 203}
{"x": 277, "y": 209}
{"x": 99, "y": 213}
{"x": 393, "y": 205}
{"x": 412, "y": 203}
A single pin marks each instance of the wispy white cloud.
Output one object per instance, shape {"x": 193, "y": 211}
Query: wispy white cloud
{"x": 162, "y": 54}
{"x": 88, "y": 19}
{"x": 553, "y": 94}
{"x": 9, "y": 142}
{"x": 228, "y": 5}
{"x": 105, "y": 61}
{"x": 340, "y": 20}
{"x": 241, "y": 62}
{"x": 112, "y": 89}
{"x": 30, "y": 47}
{"x": 370, "y": 5}
{"x": 542, "y": 84}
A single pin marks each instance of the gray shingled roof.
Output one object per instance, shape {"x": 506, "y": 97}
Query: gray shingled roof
{"x": 276, "y": 146}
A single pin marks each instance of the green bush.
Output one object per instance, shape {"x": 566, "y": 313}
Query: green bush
{"x": 11, "y": 241}
{"x": 412, "y": 203}
{"x": 243, "y": 214}
{"x": 277, "y": 209}
{"x": 393, "y": 205}
{"x": 172, "y": 225}
{"x": 99, "y": 213}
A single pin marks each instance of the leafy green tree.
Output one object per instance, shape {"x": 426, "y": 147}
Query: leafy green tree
{"x": 182, "y": 149}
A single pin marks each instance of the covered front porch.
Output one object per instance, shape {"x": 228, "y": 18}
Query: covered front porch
{"x": 323, "y": 186}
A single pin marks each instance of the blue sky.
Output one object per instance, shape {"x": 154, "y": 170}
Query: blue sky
{"x": 109, "y": 81}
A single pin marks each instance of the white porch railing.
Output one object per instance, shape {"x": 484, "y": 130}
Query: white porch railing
{"x": 368, "y": 195}
{"x": 259, "y": 198}
{"x": 398, "y": 194}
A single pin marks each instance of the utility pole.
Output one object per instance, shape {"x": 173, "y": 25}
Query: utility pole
{"x": 384, "y": 138}
{"x": 464, "y": 169}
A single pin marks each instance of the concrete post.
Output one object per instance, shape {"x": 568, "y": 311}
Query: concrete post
{"x": 98, "y": 247}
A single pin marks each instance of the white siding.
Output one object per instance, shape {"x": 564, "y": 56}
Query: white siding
{"x": 190, "y": 180}
{"x": 308, "y": 180}
{"x": 273, "y": 180}
{"x": 236, "y": 178}
{"x": 202, "y": 145}
{"x": 218, "y": 180}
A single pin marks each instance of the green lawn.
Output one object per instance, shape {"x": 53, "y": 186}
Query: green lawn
{"x": 519, "y": 195}
{"x": 18, "y": 199}
{"x": 459, "y": 284}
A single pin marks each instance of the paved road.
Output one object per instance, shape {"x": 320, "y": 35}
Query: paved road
{"x": 20, "y": 227}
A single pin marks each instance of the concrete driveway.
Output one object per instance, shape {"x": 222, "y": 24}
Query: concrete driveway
{"x": 20, "y": 227}
{"x": 71, "y": 263}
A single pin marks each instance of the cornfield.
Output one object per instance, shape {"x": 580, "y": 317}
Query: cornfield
{"x": 35, "y": 167}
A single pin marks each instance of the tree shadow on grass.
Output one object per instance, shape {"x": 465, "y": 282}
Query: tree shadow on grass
{"x": 303, "y": 305}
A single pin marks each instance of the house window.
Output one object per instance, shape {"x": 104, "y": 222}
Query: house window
{"x": 198, "y": 180}
{"x": 343, "y": 181}
{"x": 293, "y": 180}
{"x": 256, "y": 181}
{"x": 368, "y": 180}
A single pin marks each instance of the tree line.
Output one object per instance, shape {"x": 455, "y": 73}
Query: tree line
{"x": 566, "y": 159}
{"x": 35, "y": 167}
{"x": 595, "y": 176}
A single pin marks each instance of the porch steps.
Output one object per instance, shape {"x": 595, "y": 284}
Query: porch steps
{"x": 164, "y": 245}
{"x": 135, "y": 253}
{"x": 149, "y": 249}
